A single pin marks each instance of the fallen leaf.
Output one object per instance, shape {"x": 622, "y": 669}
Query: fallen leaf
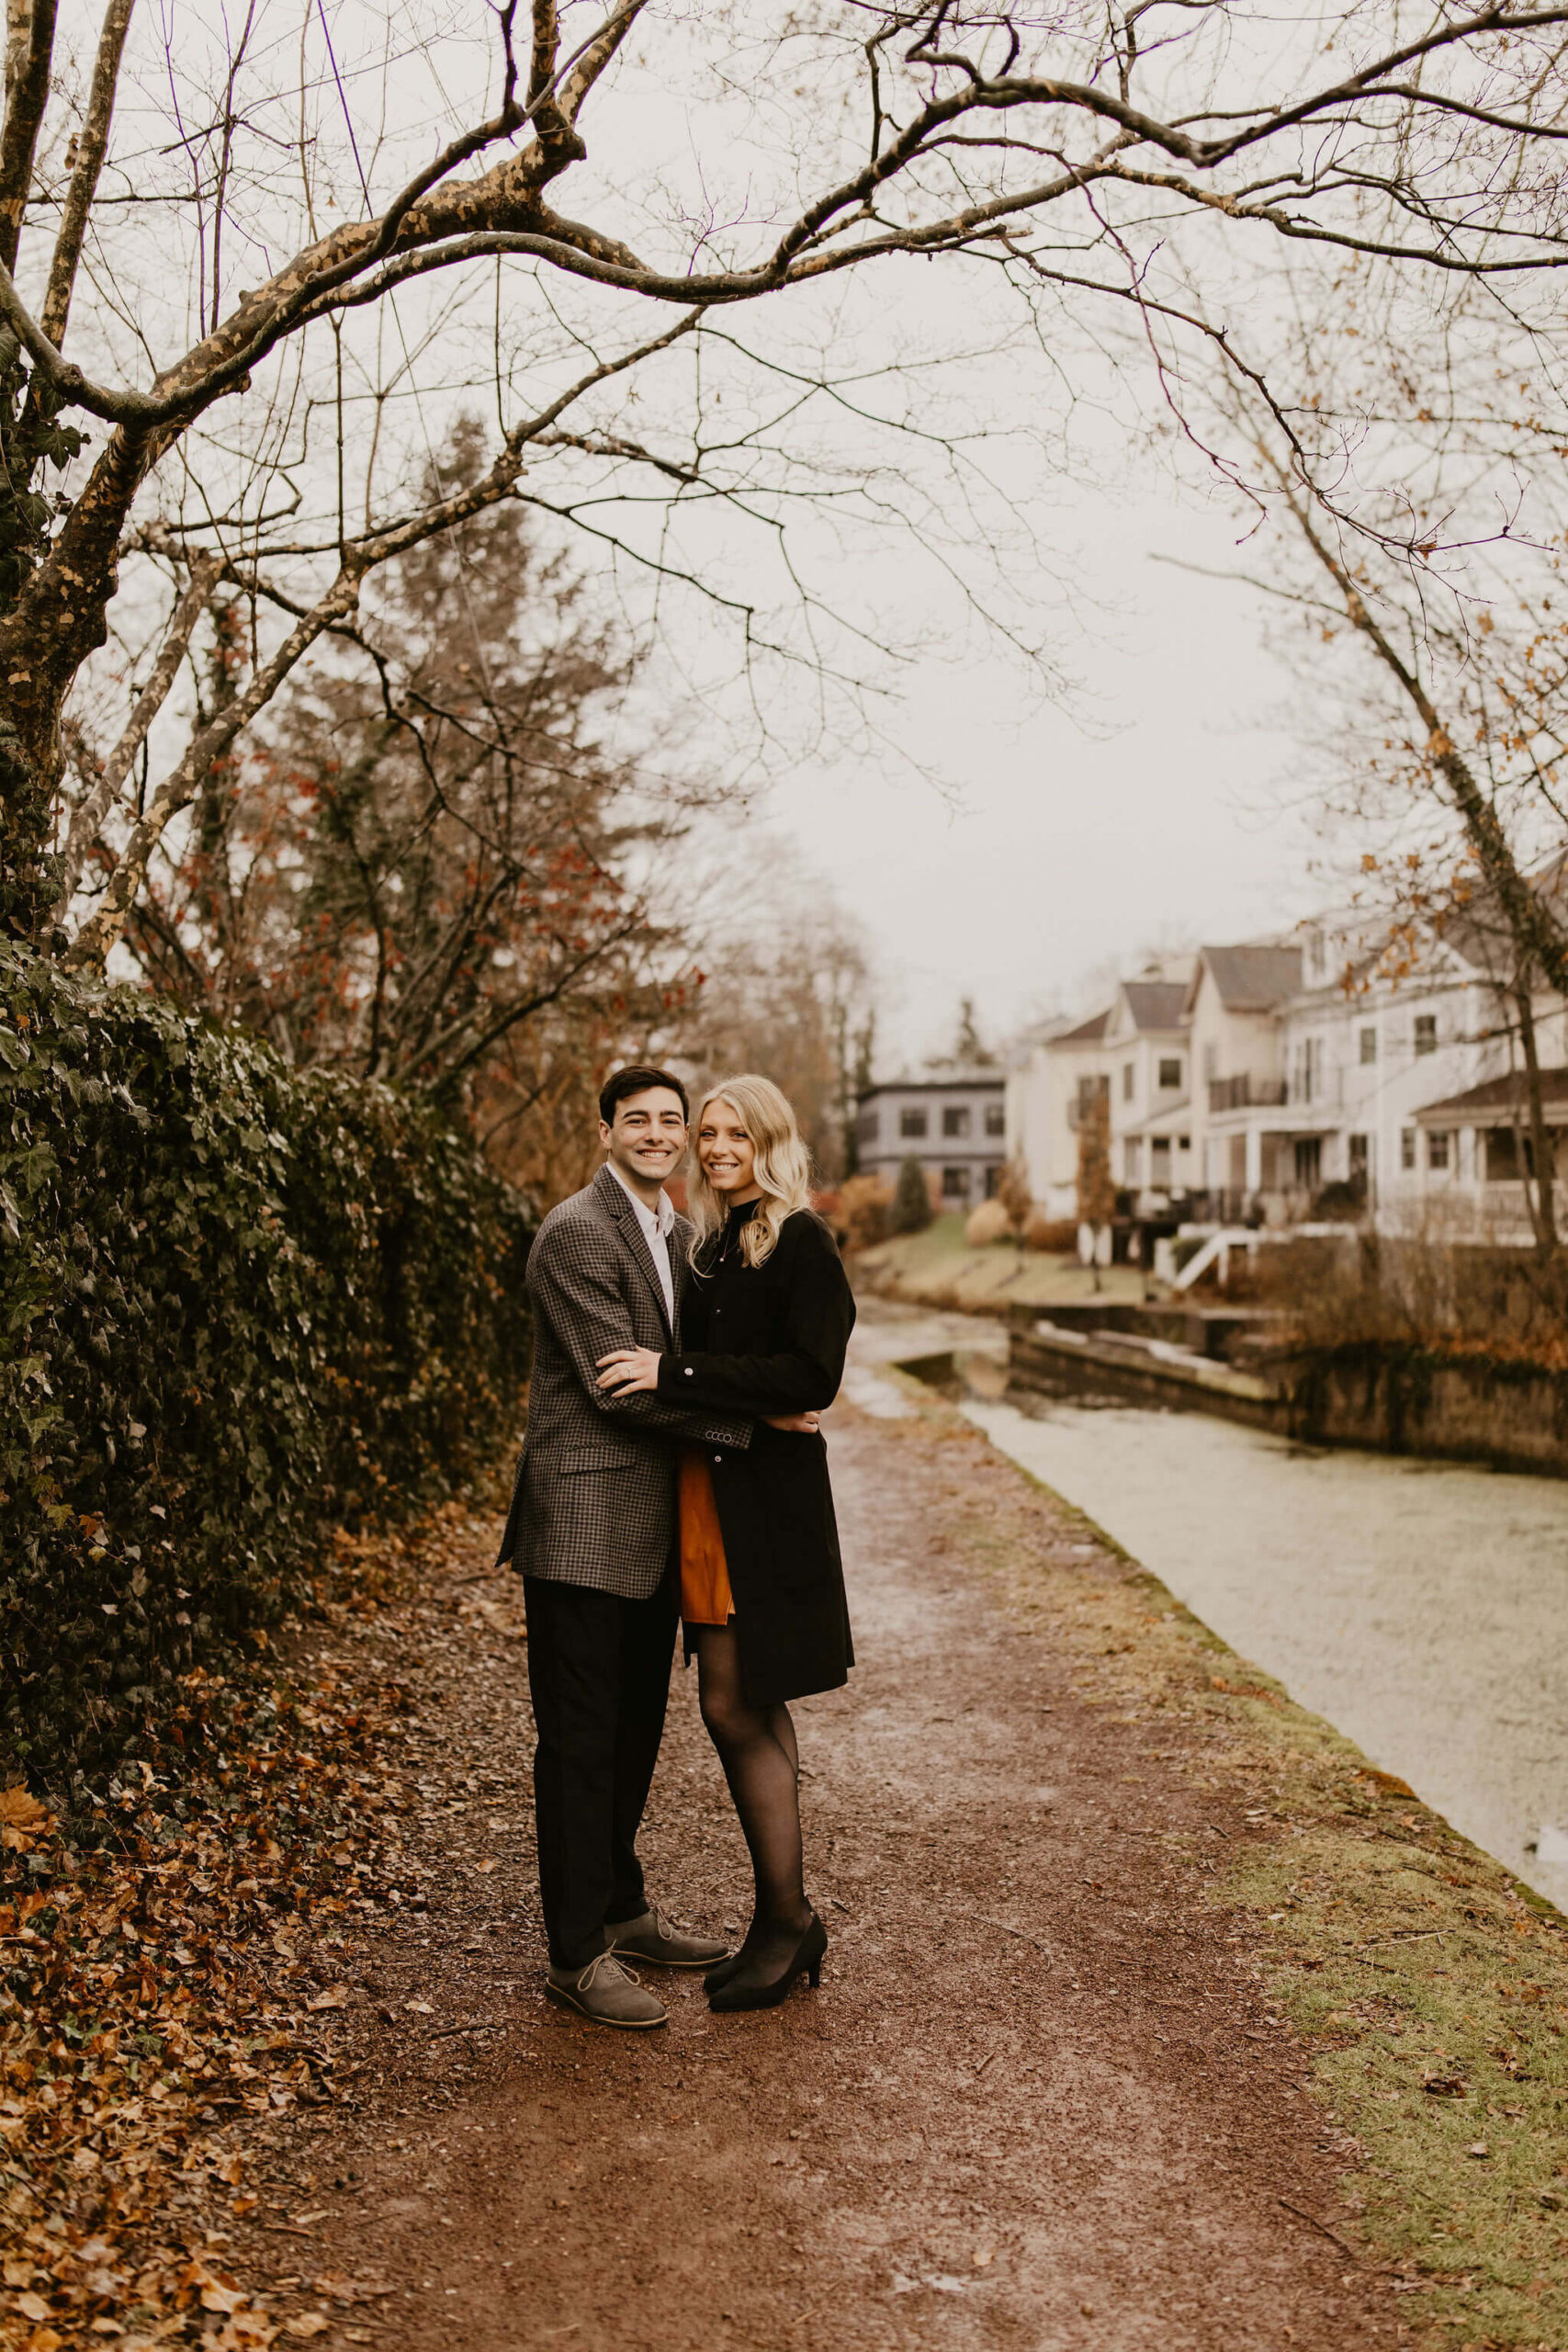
{"x": 421, "y": 2009}
{"x": 336, "y": 1996}
{"x": 307, "y": 2324}
{"x": 32, "y": 2306}
{"x": 216, "y": 2297}
{"x": 986, "y": 2255}
{"x": 1480, "y": 2149}
{"x": 21, "y": 1809}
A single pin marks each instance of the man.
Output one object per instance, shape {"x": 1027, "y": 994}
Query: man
{"x": 593, "y": 1528}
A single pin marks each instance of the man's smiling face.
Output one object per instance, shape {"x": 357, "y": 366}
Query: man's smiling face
{"x": 646, "y": 1140}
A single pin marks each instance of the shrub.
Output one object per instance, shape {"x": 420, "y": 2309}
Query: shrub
{"x": 865, "y": 1205}
{"x": 987, "y": 1225}
{"x": 912, "y": 1211}
{"x": 1058, "y": 1234}
{"x": 238, "y": 1305}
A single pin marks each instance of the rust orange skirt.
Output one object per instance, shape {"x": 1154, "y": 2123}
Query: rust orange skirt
{"x": 705, "y": 1597}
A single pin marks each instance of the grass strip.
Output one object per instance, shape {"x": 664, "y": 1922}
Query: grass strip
{"x": 1427, "y": 1986}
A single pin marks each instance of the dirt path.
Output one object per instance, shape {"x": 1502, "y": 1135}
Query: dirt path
{"x": 1039, "y": 2101}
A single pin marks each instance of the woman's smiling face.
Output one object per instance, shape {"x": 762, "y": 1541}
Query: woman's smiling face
{"x": 725, "y": 1153}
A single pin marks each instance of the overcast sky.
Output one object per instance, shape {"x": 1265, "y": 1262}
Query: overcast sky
{"x": 1166, "y": 819}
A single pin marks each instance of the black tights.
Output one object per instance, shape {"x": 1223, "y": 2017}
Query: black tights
{"x": 761, "y": 1763}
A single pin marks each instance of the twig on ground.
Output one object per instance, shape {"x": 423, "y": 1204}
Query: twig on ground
{"x": 1333, "y": 2235}
{"x": 475, "y": 2025}
{"x": 1020, "y": 1933}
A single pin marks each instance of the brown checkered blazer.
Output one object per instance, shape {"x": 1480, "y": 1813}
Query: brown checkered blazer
{"x": 595, "y": 1498}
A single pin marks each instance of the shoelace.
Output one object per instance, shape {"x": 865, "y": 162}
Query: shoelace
{"x": 616, "y": 1969}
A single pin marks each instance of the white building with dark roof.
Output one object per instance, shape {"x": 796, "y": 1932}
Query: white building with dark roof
{"x": 1150, "y": 1068}
{"x": 1054, "y": 1080}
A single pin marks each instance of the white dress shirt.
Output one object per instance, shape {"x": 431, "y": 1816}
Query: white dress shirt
{"x": 656, "y": 1232}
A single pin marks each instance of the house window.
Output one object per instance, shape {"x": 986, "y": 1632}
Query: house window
{"x": 955, "y": 1184}
{"x": 1131, "y": 1161}
{"x": 911, "y": 1123}
{"x": 1426, "y": 1032}
{"x": 956, "y": 1119}
{"x": 1309, "y": 1163}
{"x": 1504, "y": 1155}
{"x": 1368, "y": 1044}
{"x": 993, "y": 1178}
{"x": 867, "y": 1126}
{"x": 995, "y": 1119}
{"x": 1407, "y": 1147}
{"x": 1159, "y": 1163}
{"x": 1171, "y": 1075}
{"x": 1127, "y": 1075}
{"x": 1436, "y": 1151}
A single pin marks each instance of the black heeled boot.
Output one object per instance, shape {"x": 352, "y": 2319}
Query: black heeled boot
{"x": 751, "y": 1985}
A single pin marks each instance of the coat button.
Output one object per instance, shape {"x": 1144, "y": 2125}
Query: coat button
{"x": 719, "y": 1457}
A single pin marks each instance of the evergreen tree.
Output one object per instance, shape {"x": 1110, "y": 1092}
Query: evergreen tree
{"x": 911, "y": 1201}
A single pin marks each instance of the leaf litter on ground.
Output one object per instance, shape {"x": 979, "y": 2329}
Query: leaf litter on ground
{"x": 166, "y": 1974}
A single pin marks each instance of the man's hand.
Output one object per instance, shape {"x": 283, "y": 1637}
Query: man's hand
{"x": 796, "y": 1424}
{"x": 628, "y": 1369}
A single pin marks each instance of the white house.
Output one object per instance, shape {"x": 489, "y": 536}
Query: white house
{"x": 1147, "y": 1054}
{"x": 1057, "y": 1075}
{"x": 1284, "y": 1078}
{"x": 1234, "y": 1003}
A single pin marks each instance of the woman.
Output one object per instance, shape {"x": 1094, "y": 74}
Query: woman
{"x": 768, "y": 1315}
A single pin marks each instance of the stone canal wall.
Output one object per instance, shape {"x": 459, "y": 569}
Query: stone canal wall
{"x": 1392, "y": 1398}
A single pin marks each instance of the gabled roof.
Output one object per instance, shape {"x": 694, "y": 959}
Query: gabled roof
{"x": 1155, "y": 1004}
{"x": 1498, "y": 1098}
{"x": 1249, "y": 979}
{"x": 984, "y": 1078}
{"x": 1087, "y": 1032}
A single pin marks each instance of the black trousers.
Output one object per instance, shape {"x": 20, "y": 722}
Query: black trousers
{"x": 599, "y": 1676}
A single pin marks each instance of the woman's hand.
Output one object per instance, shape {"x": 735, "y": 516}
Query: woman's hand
{"x": 629, "y": 1370}
{"x": 795, "y": 1424}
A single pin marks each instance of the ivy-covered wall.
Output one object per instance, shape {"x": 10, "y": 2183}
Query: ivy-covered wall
{"x": 239, "y": 1305}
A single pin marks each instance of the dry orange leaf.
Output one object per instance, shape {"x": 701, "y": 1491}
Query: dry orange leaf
{"x": 20, "y": 1809}
{"x": 307, "y": 2324}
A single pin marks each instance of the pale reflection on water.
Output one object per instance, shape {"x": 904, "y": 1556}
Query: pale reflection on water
{"x": 1422, "y": 1607}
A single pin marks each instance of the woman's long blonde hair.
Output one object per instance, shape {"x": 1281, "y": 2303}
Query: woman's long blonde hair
{"x": 782, "y": 1164}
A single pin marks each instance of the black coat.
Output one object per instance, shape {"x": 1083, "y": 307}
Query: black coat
{"x": 771, "y": 1339}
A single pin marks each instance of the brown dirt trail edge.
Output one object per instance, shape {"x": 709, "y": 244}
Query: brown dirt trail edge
{"x": 1079, "y": 2135}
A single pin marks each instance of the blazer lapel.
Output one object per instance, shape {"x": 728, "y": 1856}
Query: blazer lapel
{"x": 618, "y": 1200}
{"x": 681, "y": 1266}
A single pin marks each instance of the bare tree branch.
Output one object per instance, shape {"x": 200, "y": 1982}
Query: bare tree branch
{"x": 90, "y": 812}
{"x": 92, "y": 143}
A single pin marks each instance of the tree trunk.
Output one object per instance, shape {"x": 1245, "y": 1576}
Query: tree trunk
{"x": 1540, "y": 1178}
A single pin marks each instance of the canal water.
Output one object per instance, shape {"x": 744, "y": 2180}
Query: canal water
{"x": 1421, "y": 1607}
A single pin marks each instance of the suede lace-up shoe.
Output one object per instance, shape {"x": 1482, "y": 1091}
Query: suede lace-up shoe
{"x": 661, "y": 1944}
{"x": 606, "y": 1994}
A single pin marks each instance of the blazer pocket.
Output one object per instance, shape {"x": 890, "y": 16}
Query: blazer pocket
{"x": 598, "y": 1457}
